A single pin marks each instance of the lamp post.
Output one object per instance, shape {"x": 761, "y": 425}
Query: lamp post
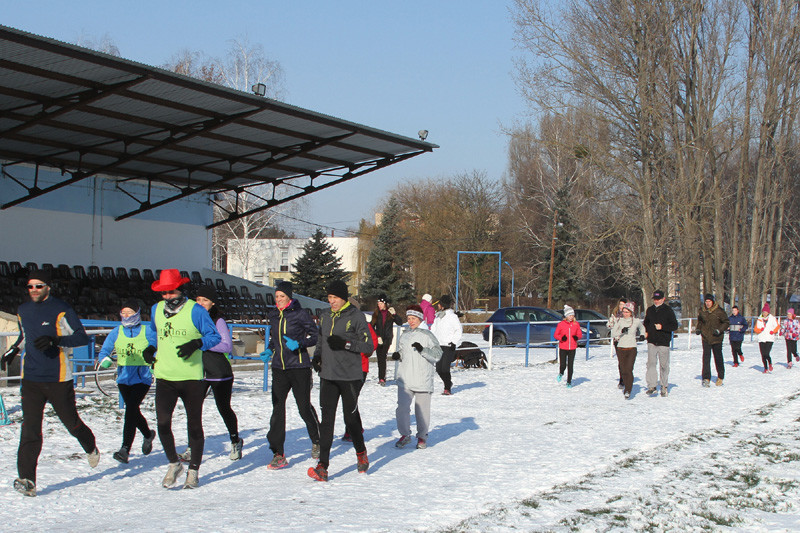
{"x": 512, "y": 282}
{"x": 552, "y": 260}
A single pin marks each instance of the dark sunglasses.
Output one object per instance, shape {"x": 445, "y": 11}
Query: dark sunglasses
{"x": 37, "y": 286}
{"x": 168, "y": 292}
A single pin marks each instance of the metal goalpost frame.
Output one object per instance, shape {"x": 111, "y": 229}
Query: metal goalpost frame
{"x": 499, "y": 272}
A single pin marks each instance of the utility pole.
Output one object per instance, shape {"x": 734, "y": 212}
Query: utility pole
{"x": 552, "y": 261}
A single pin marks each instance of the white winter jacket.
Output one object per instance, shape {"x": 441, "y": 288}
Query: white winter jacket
{"x": 767, "y": 327}
{"x": 447, "y": 328}
{"x": 416, "y": 370}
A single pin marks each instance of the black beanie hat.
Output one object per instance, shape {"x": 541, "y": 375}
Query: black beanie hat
{"x": 131, "y": 303}
{"x": 338, "y": 288}
{"x": 208, "y": 292}
{"x": 285, "y": 287}
{"x": 41, "y": 275}
{"x": 710, "y": 297}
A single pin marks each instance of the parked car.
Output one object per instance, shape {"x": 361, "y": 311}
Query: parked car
{"x": 511, "y": 326}
{"x": 597, "y": 321}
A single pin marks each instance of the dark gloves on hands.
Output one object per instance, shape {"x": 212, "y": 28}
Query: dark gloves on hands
{"x": 336, "y": 342}
{"x": 563, "y": 338}
{"x": 45, "y": 341}
{"x": 717, "y": 333}
{"x": 624, "y": 331}
{"x": 396, "y": 356}
{"x": 452, "y": 345}
{"x": 316, "y": 363}
{"x": 640, "y": 338}
{"x": 8, "y": 357}
{"x": 575, "y": 337}
{"x": 417, "y": 346}
{"x": 149, "y": 355}
{"x": 187, "y": 349}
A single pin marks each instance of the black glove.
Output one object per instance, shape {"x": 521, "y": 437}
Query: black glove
{"x": 624, "y": 331}
{"x": 575, "y": 337}
{"x": 697, "y": 332}
{"x": 187, "y": 349}
{"x": 452, "y": 345}
{"x": 417, "y": 346}
{"x": 8, "y": 357}
{"x": 640, "y": 338}
{"x": 336, "y": 342}
{"x": 564, "y": 338}
{"x": 717, "y": 333}
{"x": 149, "y": 355}
{"x": 316, "y": 363}
{"x": 396, "y": 356}
{"x": 45, "y": 341}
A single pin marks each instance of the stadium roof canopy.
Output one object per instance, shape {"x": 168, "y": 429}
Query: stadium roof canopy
{"x": 89, "y": 113}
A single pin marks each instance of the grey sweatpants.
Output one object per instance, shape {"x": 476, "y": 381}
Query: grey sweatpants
{"x": 657, "y": 363}
{"x": 422, "y": 411}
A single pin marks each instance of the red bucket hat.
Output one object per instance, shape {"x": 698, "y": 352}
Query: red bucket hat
{"x": 169, "y": 280}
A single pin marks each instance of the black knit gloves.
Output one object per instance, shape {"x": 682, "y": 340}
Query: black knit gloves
{"x": 187, "y": 349}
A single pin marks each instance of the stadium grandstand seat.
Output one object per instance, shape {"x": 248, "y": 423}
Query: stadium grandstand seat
{"x": 220, "y": 286}
{"x": 136, "y": 276}
{"x": 197, "y": 279}
{"x": 147, "y": 276}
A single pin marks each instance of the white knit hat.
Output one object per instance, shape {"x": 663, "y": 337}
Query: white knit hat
{"x": 568, "y": 311}
{"x": 427, "y": 297}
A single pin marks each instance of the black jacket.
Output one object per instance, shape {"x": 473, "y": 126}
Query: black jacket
{"x": 293, "y": 322}
{"x": 384, "y": 329}
{"x": 664, "y": 315}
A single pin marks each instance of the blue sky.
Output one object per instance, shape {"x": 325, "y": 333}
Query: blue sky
{"x": 444, "y": 66}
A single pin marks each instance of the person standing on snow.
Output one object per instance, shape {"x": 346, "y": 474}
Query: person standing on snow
{"x": 48, "y": 329}
{"x": 180, "y": 331}
{"x": 626, "y": 331}
{"x": 343, "y": 336}
{"x": 217, "y": 370}
{"x": 291, "y": 332}
{"x": 427, "y": 309}
{"x": 383, "y": 321}
{"x": 712, "y": 322}
{"x": 659, "y": 323}
{"x": 568, "y": 333}
{"x": 737, "y": 329}
{"x": 134, "y": 377}
{"x": 418, "y": 352}
{"x": 447, "y": 329}
{"x": 766, "y": 327}
{"x": 615, "y": 316}
{"x": 790, "y": 329}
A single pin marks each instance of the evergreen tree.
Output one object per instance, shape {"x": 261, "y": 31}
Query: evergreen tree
{"x": 388, "y": 268}
{"x": 317, "y": 267}
{"x": 568, "y": 287}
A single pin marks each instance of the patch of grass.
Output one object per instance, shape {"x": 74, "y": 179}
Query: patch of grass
{"x": 614, "y": 498}
{"x": 718, "y": 519}
{"x": 595, "y": 512}
{"x": 530, "y": 502}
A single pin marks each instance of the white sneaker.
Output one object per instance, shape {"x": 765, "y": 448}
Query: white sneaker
{"x": 93, "y": 457}
{"x": 191, "y": 479}
{"x": 236, "y": 450}
{"x": 185, "y": 456}
{"x": 25, "y": 486}
{"x": 173, "y": 472}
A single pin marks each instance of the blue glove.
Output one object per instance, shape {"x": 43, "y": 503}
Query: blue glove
{"x": 291, "y": 343}
{"x": 265, "y": 355}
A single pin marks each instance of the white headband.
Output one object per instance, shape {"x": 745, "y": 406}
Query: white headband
{"x": 415, "y": 313}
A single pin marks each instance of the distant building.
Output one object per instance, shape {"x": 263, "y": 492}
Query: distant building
{"x": 268, "y": 261}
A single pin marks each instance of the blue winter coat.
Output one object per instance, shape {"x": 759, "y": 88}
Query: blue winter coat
{"x": 738, "y": 328}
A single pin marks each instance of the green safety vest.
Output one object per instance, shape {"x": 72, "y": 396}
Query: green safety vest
{"x": 129, "y": 350}
{"x": 172, "y": 332}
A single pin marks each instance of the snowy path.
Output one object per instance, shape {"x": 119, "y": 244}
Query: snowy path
{"x": 510, "y": 450}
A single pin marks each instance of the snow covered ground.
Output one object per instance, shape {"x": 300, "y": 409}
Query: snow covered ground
{"x": 510, "y": 450}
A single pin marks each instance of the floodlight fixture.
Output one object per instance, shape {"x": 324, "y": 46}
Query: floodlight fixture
{"x": 259, "y": 89}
